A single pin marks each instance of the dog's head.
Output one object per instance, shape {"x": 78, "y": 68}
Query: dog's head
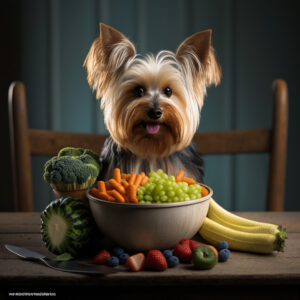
{"x": 151, "y": 104}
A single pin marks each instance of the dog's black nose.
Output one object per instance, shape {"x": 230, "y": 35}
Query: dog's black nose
{"x": 154, "y": 113}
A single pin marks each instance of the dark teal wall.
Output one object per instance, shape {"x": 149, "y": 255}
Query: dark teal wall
{"x": 255, "y": 41}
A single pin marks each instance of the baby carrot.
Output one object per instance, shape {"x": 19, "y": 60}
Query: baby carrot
{"x": 204, "y": 192}
{"x": 132, "y": 178}
{"x": 138, "y": 180}
{"x": 94, "y": 192}
{"x": 145, "y": 180}
{"x": 117, "y": 186}
{"x": 107, "y": 186}
{"x": 125, "y": 176}
{"x": 126, "y": 199}
{"x": 118, "y": 197}
{"x": 105, "y": 196}
{"x": 131, "y": 193}
{"x": 125, "y": 184}
{"x": 117, "y": 175}
{"x": 188, "y": 180}
{"x": 101, "y": 186}
{"x": 179, "y": 176}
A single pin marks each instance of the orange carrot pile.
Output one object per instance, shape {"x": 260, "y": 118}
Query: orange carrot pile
{"x": 121, "y": 188}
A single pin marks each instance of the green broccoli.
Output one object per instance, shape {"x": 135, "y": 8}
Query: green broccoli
{"x": 72, "y": 169}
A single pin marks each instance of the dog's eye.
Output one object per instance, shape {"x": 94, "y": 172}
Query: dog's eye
{"x": 168, "y": 92}
{"x": 139, "y": 91}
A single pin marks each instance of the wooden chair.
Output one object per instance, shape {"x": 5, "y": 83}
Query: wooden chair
{"x": 26, "y": 142}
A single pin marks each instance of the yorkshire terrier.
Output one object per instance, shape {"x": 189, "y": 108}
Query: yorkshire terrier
{"x": 151, "y": 104}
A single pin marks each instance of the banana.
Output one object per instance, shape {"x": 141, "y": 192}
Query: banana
{"x": 226, "y": 218}
{"x": 214, "y": 232}
{"x": 241, "y": 233}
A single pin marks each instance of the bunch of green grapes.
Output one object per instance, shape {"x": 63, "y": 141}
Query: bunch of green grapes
{"x": 162, "y": 188}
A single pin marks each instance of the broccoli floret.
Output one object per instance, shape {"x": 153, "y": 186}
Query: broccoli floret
{"x": 72, "y": 167}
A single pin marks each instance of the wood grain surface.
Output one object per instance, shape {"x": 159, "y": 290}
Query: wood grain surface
{"x": 23, "y": 229}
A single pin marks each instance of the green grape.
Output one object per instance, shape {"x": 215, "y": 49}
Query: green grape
{"x": 171, "y": 193}
{"x": 142, "y": 188}
{"x": 157, "y": 198}
{"x": 160, "y": 187}
{"x": 148, "y": 198}
{"x": 160, "y": 172}
{"x": 165, "y": 176}
{"x": 179, "y": 192}
{"x": 164, "y": 198}
{"x": 162, "y": 193}
{"x": 152, "y": 174}
{"x": 172, "y": 178}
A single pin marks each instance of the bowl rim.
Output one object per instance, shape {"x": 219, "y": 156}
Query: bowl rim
{"x": 156, "y": 205}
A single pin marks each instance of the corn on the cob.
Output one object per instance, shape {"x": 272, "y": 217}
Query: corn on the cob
{"x": 214, "y": 232}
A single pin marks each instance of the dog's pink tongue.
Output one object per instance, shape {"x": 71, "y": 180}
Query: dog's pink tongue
{"x": 152, "y": 128}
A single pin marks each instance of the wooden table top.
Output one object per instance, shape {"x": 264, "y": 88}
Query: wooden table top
{"x": 23, "y": 229}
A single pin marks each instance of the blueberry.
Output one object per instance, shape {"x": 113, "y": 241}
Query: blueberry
{"x": 224, "y": 255}
{"x": 222, "y": 245}
{"x": 172, "y": 261}
{"x": 117, "y": 251}
{"x": 168, "y": 253}
{"x": 123, "y": 257}
{"x": 113, "y": 261}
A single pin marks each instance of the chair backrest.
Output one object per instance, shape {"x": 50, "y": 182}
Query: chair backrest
{"x": 26, "y": 142}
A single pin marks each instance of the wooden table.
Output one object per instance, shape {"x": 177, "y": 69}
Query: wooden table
{"x": 276, "y": 275}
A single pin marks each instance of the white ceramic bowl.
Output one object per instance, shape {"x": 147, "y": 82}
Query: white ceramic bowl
{"x": 142, "y": 227}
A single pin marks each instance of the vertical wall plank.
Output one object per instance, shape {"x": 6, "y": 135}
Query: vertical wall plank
{"x": 54, "y": 70}
{"x": 142, "y": 20}
{"x": 217, "y": 110}
{"x": 254, "y": 97}
{"x": 74, "y": 29}
{"x": 34, "y": 73}
{"x": 103, "y": 16}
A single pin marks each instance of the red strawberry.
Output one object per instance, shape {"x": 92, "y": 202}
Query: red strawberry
{"x": 156, "y": 260}
{"x": 183, "y": 252}
{"x": 184, "y": 241}
{"x": 101, "y": 257}
{"x": 193, "y": 245}
{"x": 136, "y": 262}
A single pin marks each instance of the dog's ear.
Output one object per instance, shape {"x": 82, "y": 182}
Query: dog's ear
{"x": 108, "y": 54}
{"x": 197, "y": 54}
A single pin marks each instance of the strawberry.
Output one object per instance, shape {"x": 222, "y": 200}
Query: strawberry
{"x": 183, "y": 252}
{"x": 136, "y": 262}
{"x": 193, "y": 245}
{"x": 101, "y": 257}
{"x": 156, "y": 261}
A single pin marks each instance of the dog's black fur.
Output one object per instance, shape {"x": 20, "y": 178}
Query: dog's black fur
{"x": 113, "y": 156}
